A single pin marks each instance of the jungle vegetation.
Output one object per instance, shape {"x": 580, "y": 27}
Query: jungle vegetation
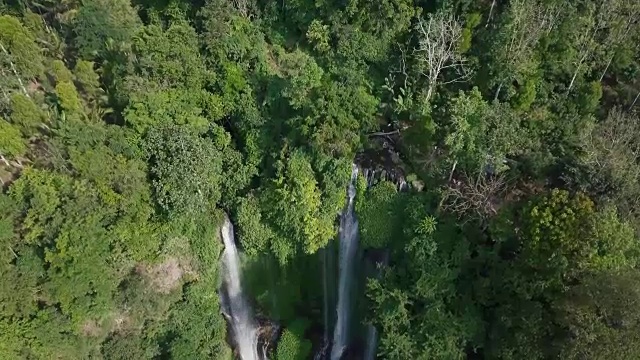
{"x": 128, "y": 127}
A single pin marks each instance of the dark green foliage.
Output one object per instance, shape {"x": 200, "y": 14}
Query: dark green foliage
{"x": 101, "y": 22}
{"x": 561, "y": 240}
{"x": 419, "y": 293}
{"x": 600, "y": 317}
{"x": 170, "y": 58}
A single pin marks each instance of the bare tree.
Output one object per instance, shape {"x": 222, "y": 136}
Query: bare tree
{"x": 614, "y": 144}
{"x": 612, "y": 158}
{"x": 437, "y": 51}
{"x": 477, "y": 197}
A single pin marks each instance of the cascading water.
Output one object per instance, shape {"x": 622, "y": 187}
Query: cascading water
{"x": 321, "y": 354}
{"x": 348, "y": 247}
{"x": 244, "y": 329}
{"x": 372, "y": 343}
{"x": 372, "y": 333}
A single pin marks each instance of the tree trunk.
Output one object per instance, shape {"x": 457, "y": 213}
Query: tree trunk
{"x": 575, "y": 74}
{"x": 606, "y": 68}
{"x": 453, "y": 168}
{"x": 634, "y": 101}
{"x": 430, "y": 91}
{"x": 4, "y": 160}
{"x": 385, "y": 133}
{"x": 495, "y": 98}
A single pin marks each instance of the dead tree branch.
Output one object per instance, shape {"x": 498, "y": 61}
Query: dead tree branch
{"x": 437, "y": 50}
{"x": 476, "y": 197}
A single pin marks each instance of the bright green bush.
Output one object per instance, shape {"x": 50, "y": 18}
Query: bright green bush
{"x": 377, "y": 213}
{"x": 292, "y": 344}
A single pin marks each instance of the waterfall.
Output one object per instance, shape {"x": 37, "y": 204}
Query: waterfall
{"x": 372, "y": 332}
{"x": 245, "y": 331}
{"x": 348, "y": 247}
{"x": 372, "y": 343}
{"x": 328, "y": 284}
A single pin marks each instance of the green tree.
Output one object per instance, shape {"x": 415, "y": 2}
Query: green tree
{"x": 11, "y": 142}
{"x": 26, "y": 114}
{"x": 101, "y": 21}
{"x": 170, "y": 58}
{"x": 561, "y": 239}
{"x": 86, "y": 77}
{"x": 377, "y": 214}
{"x": 254, "y": 235}
{"x": 60, "y": 73}
{"x": 164, "y": 108}
{"x": 20, "y": 57}
{"x": 69, "y": 99}
{"x": 292, "y": 344}
{"x": 482, "y": 135}
{"x": 185, "y": 169}
{"x": 415, "y": 303}
{"x": 292, "y": 204}
{"x": 600, "y": 317}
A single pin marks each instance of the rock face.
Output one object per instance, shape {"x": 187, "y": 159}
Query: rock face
{"x": 382, "y": 162}
{"x": 268, "y": 334}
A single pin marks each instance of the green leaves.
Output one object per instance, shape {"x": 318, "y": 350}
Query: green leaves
{"x": 26, "y": 114}
{"x": 11, "y": 143}
{"x": 254, "y": 235}
{"x": 567, "y": 234}
{"x": 600, "y": 317}
{"x": 170, "y": 58}
{"x": 561, "y": 243}
{"x": 415, "y": 301}
{"x": 185, "y": 170}
{"x": 294, "y": 203}
{"x": 292, "y": 344}
{"x": 69, "y": 100}
{"x": 101, "y": 22}
{"x": 168, "y": 107}
{"x": 378, "y": 212}
{"x": 482, "y": 135}
{"x": 20, "y": 56}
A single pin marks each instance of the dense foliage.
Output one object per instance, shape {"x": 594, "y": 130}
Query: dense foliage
{"x": 128, "y": 127}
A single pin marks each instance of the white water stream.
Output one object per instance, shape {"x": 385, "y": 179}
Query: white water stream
{"x": 245, "y": 331}
{"x": 348, "y": 248}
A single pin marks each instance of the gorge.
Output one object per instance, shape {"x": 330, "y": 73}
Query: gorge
{"x": 335, "y": 340}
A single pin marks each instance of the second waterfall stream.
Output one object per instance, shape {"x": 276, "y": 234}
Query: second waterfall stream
{"x": 245, "y": 331}
{"x": 347, "y": 252}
